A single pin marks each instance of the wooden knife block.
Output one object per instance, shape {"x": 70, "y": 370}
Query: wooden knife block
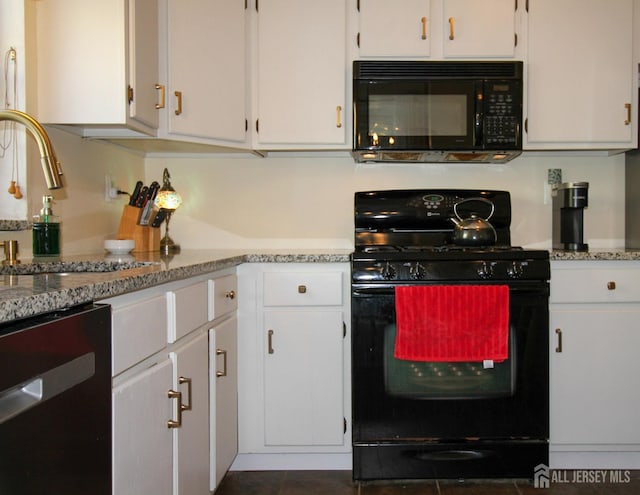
{"x": 146, "y": 238}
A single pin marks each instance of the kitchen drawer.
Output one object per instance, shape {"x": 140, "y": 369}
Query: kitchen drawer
{"x": 223, "y": 296}
{"x": 139, "y": 330}
{"x": 593, "y": 285}
{"x": 188, "y": 309}
{"x": 303, "y": 289}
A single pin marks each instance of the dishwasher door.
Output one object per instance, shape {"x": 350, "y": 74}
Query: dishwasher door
{"x": 55, "y": 403}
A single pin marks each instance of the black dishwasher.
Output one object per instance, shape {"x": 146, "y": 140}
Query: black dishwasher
{"x": 55, "y": 403}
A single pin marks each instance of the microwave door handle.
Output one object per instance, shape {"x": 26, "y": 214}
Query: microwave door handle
{"x": 477, "y": 128}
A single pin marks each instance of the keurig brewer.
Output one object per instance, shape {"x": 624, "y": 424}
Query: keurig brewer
{"x": 569, "y": 201}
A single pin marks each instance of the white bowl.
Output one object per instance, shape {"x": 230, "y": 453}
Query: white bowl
{"x": 119, "y": 246}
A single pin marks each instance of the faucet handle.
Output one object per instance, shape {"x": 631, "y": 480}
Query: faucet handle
{"x": 10, "y": 252}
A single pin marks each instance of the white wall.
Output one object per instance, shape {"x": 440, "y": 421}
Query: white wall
{"x": 307, "y": 202}
{"x": 288, "y": 202}
{"x": 87, "y": 219}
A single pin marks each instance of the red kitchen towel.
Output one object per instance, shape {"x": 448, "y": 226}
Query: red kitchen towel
{"x": 452, "y": 323}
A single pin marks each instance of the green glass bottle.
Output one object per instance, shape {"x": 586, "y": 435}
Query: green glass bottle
{"x": 46, "y": 230}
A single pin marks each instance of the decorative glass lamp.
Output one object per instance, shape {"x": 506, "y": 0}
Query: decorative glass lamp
{"x": 169, "y": 200}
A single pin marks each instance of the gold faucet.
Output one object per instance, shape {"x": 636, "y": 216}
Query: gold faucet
{"x": 50, "y": 165}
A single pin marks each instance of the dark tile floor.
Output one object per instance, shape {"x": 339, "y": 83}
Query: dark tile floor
{"x": 340, "y": 483}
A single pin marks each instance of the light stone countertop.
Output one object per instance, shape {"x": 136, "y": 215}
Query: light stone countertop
{"x": 42, "y": 285}
{"x": 596, "y": 255}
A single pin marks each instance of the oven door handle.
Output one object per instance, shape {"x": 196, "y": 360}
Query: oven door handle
{"x": 530, "y": 288}
{"x": 368, "y": 291}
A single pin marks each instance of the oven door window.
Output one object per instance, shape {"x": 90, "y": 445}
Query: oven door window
{"x": 446, "y": 380}
{"x": 405, "y": 115}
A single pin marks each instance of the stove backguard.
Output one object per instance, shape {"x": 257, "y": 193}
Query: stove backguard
{"x": 422, "y": 217}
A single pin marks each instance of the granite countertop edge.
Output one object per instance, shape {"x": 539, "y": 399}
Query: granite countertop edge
{"x": 23, "y": 296}
{"x": 596, "y": 255}
{"x": 31, "y": 290}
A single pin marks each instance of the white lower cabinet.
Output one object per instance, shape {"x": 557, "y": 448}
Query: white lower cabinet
{"x": 594, "y": 398}
{"x": 142, "y": 443}
{"x": 304, "y": 354}
{"x": 294, "y": 378}
{"x": 190, "y": 441}
{"x": 223, "y": 347}
{"x": 174, "y": 395}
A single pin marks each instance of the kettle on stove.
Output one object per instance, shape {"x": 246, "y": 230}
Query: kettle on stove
{"x": 473, "y": 230}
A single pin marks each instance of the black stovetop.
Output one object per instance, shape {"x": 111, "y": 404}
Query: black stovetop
{"x": 407, "y": 235}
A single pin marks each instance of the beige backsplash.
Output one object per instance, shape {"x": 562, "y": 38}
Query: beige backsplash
{"x": 287, "y": 201}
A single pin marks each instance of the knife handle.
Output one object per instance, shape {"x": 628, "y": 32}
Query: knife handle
{"x": 159, "y": 218}
{"x": 136, "y": 192}
{"x": 142, "y": 197}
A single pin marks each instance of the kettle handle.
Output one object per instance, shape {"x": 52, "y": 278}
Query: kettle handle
{"x": 484, "y": 200}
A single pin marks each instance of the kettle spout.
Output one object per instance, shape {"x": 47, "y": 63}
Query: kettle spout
{"x": 456, "y": 221}
{"x": 50, "y": 165}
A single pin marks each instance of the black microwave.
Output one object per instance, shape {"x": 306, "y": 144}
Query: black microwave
{"x": 437, "y": 111}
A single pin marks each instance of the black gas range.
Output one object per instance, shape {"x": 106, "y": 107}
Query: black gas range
{"x": 422, "y": 419}
{"x": 408, "y": 235}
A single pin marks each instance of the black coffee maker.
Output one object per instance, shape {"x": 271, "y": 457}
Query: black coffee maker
{"x": 569, "y": 201}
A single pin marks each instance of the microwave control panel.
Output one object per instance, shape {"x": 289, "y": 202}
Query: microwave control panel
{"x": 501, "y": 113}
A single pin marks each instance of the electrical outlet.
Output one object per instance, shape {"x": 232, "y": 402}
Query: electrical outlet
{"x": 110, "y": 192}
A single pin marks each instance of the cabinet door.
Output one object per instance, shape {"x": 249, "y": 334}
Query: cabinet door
{"x": 224, "y": 389}
{"x": 395, "y": 29}
{"x": 191, "y": 441}
{"x": 206, "y": 69}
{"x": 303, "y": 378}
{"x": 87, "y": 54}
{"x": 594, "y": 394}
{"x": 479, "y": 29}
{"x": 80, "y": 61}
{"x": 142, "y": 443}
{"x": 580, "y": 75}
{"x": 301, "y": 72}
{"x": 143, "y": 61}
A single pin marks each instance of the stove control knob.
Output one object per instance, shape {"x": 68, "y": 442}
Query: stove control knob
{"x": 416, "y": 272}
{"x": 515, "y": 270}
{"x": 485, "y": 270}
{"x": 388, "y": 272}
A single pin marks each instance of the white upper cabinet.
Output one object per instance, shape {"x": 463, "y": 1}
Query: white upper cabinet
{"x": 580, "y": 83}
{"x": 403, "y": 28}
{"x": 479, "y": 29}
{"x": 301, "y": 78}
{"x": 437, "y": 29}
{"x": 96, "y": 63}
{"x": 205, "y": 71}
